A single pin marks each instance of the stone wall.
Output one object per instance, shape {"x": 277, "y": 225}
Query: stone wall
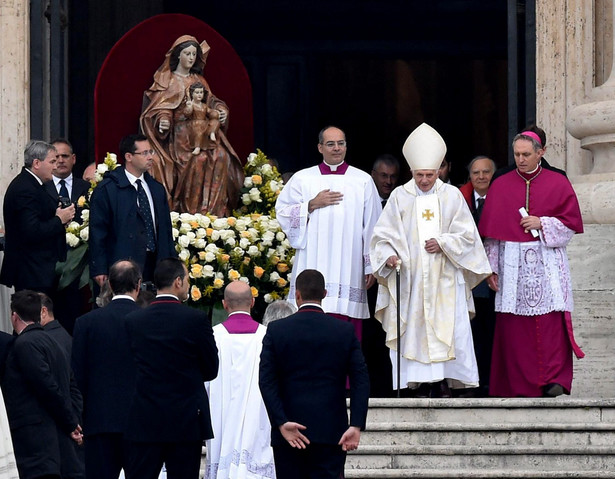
{"x": 575, "y": 88}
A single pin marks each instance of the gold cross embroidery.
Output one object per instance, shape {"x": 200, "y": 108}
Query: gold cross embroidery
{"x": 428, "y": 215}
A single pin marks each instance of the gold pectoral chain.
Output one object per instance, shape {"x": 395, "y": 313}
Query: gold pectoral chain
{"x": 527, "y": 187}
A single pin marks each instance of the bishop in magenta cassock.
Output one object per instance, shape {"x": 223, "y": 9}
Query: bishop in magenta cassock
{"x": 533, "y": 344}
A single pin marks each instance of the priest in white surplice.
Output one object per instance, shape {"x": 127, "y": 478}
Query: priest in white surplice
{"x": 427, "y": 226}
{"x": 328, "y": 212}
{"x": 241, "y": 447}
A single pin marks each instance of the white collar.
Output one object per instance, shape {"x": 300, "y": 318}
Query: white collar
{"x": 40, "y": 182}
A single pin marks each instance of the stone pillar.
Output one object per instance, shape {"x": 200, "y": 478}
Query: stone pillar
{"x": 575, "y": 88}
{"x": 14, "y": 105}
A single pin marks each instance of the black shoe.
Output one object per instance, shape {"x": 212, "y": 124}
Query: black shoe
{"x": 552, "y": 390}
{"x": 441, "y": 390}
{"x": 423, "y": 391}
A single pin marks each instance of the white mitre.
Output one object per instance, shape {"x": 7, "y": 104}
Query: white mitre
{"x": 424, "y": 149}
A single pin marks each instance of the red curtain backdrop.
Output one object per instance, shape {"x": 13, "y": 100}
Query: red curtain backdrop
{"x": 129, "y": 68}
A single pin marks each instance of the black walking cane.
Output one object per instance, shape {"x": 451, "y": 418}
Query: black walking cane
{"x": 398, "y": 290}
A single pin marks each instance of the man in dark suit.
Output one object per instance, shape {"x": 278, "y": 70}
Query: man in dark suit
{"x": 175, "y": 352}
{"x": 104, "y": 368}
{"x": 305, "y": 361}
{"x": 37, "y": 393}
{"x": 129, "y": 214}
{"x": 70, "y": 301}
{"x": 34, "y": 223}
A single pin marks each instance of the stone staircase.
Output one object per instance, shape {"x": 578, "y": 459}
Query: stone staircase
{"x": 486, "y": 438}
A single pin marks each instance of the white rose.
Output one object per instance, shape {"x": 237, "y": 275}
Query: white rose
{"x": 255, "y": 194}
{"x": 200, "y": 243}
{"x": 71, "y": 240}
{"x": 286, "y": 243}
{"x": 184, "y": 228}
{"x": 247, "y": 182}
{"x": 280, "y": 236}
{"x": 192, "y": 236}
{"x": 209, "y": 257}
{"x": 231, "y": 242}
{"x": 273, "y": 277}
{"x": 102, "y": 168}
{"x": 238, "y": 251}
{"x": 244, "y": 243}
{"x": 244, "y": 279}
{"x": 226, "y": 234}
{"x": 85, "y": 216}
{"x": 186, "y": 217}
{"x": 245, "y": 199}
{"x": 73, "y": 225}
{"x": 270, "y": 252}
{"x": 201, "y": 233}
{"x": 267, "y": 169}
{"x": 252, "y": 158}
{"x": 274, "y": 185}
{"x": 184, "y": 241}
{"x": 174, "y": 216}
{"x": 241, "y": 225}
{"x": 175, "y": 233}
{"x": 84, "y": 234}
{"x": 184, "y": 254}
{"x": 212, "y": 248}
{"x": 219, "y": 274}
{"x": 253, "y": 251}
{"x": 208, "y": 271}
{"x": 268, "y": 298}
{"x": 268, "y": 238}
{"x": 220, "y": 223}
{"x": 215, "y": 235}
{"x": 204, "y": 221}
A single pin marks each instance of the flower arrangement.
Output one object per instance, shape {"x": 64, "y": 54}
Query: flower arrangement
{"x": 250, "y": 248}
{"x": 261, "y": 186}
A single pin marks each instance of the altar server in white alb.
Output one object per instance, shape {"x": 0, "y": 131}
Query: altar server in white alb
{"x": 427, "y": 226}
{"x": 328, "y": 212}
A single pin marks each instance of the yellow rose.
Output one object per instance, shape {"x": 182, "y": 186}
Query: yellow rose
{"x": 258, "y": 272}
{"x": 81, "y": 202}
{"x": 246, "y": 234}
{"x": 282, "y": 267}
{"x": 255, "y": 216}
{"x": 257, "y": 179}
{"x": 281, "y": 282}
{"x": 209, "y": 231}
{"x": 231, "y": 221}
{"x": 202, "y": 255}
{"x": 218, "y": 283}
{"x": 195, "y": 293}
{"x": 223, "y": 258}
{"x": 254, "y": 292}
{"x": 195, "y": 225}
{"x": 233, "y": 275}
{"x": 275, "y": 260}
{"x": 196, "y": 270}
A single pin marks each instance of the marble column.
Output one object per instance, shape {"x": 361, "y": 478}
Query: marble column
{"x": 575, "y": 88}
{"x": 14, "y": 104}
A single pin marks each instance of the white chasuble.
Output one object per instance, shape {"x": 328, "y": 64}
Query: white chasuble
{"x": 436, "y": 297}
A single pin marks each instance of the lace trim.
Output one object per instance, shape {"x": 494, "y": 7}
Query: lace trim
{"x": 244, "y": 458}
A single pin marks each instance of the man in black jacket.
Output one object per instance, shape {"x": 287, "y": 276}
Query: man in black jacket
{"x": 305, "y": 361}
{"x": 36, "y": 389}
{"x": 34, "y": 222}
{"x": 104, "y": 368}
{"x": 175, "y": 352}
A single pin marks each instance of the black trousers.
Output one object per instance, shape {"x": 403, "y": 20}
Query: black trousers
{"x": 105, "y": 455}
{"x": 317, "y": 461}
{"x": 145, "y": 459}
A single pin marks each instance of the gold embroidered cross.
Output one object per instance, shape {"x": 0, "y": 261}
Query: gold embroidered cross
{"x": 428, "y": 215}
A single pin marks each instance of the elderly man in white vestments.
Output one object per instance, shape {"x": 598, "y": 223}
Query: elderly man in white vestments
{"x": 427, "y": 227}
{"x": 241, "y": 447}
{"x": 328, "y": 212}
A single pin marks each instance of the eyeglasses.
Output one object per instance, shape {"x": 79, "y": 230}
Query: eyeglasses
{"x": 331, "y": 144}
{"x": 145, "y": 153}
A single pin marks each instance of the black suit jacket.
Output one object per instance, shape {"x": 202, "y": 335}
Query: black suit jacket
{"x": 36, "y": 392}
{"x": 104, "y": 367}
{"x": 303, "y": 368}
{"x": 116, "y": 228}
{"x": 80, "y": 188}
{"x": 175, "y": 352}
{"x": 35, "y": 236}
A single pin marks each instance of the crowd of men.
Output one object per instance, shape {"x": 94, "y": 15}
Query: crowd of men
{"x": 127, "y": 391}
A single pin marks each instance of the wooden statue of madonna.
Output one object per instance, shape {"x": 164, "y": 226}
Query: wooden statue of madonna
{"x": 186, "y": 125}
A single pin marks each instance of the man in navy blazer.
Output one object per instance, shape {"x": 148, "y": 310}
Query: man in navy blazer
{"x": 305, "y": 361}
{"x": 175, "y": 352}
{"x": 34, "y": 222}
{"x": 119, "y": 223}
{"x": 104, "y": 368}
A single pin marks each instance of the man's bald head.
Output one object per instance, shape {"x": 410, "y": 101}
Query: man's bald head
{"x": 237, "y": 297}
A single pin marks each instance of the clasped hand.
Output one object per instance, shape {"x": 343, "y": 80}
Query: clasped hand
{"x": 325, "y": 198}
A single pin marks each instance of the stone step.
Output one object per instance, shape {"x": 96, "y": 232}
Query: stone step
{"x": 546, "y": 434}
{"x": 460, "y": 458}
{"x": 475, "y": 473}
{"x": 492, "y": 410}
